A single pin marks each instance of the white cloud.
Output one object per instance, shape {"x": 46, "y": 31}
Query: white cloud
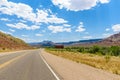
{"x": 87, "y": 37}
{"x": 25, "y": 35}
{"x": 107, "y": 29}
{"x": 78, "y": 5}
{"x": 23, "y": 21}
{"x": 39, "y": 35}
{"x": 86, "y": 32}
{"x": 56, "y": 29}
{"x": 23, "y": 26}
{"x": 106, "y": 35}
{"x": 26, "y": 39}
{"x": 26, "y": 12}
{"x": 11, "y": 30}
{"x": 6, "y": 32}
{"x": 41, "y": 16}
{"x": 104, "y": 1}
{"x": 67, "y": 25}
{"x": 56, "y": 20}
{"x": 43, "y": 31}
{"x": 33, "y": 27}
{"x": 4, "y": 19}
{"x": 44, "y": 16}
{"x": 116, "y": 28}
{"x": 80, "y": 28}
{"x": 21, "y": 10}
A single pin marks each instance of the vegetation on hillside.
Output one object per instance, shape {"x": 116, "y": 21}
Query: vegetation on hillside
{"x": 8, "y": 42}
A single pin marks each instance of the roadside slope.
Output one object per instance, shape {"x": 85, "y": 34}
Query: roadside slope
{"x": 8, "y": 42}
{"x": 70, "y": 70}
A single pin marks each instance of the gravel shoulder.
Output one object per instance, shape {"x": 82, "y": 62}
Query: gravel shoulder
{"x": 70, "y": 70}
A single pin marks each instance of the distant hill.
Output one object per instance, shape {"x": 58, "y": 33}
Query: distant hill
{"x": 43, "y": 44}
{"x": 50, "y": 43}
{"x": 80, "y": 42}
{"x": 113, "y": 40}
{"x": 8, "y": 42}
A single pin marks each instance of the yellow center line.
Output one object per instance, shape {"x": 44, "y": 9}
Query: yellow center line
{"x": 10, "y": 61}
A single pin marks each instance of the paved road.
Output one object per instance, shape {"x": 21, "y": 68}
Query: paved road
{"x": 25, "y": 65}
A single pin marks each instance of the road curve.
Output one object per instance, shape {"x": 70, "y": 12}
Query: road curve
{"x": 25, "y": 65}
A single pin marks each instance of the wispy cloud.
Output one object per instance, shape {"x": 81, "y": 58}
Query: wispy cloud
{"x": 23, "y": 26}
{"x": 6, "y": 32}
{"x": 11, "y": 30}
{"x": 4, "y": 19}
{"x": 56, "y": 29}
{"x": 116, "y": 28}
{"x": 24, "y": 35}
{"x": 107, "y": 29}
{"x": 39, "y": 35}
{"x": 106, "y": 34}
{"x": 80, "y": 28}
{"x": 87, "y": 37}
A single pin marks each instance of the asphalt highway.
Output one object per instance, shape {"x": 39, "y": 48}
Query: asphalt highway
{"x": 25, "y": 65}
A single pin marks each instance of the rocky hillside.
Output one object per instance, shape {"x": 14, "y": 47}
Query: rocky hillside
{"x": 112, "y": 40}
{"x": 8, "y": 42}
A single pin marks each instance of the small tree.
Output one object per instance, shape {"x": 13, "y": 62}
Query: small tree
{"x": 80, "y": 49}
{"x": 115, "y": 50}
{"x": 94, "y": 49}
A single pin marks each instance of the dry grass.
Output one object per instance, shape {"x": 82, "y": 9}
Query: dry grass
{"x": 109, "y": 63}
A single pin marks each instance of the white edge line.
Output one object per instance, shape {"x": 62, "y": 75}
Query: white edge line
{"x": 50, "y": 68}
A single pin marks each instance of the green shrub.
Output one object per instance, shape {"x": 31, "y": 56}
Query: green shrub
{"x": 115, "y": 50}
{"x": 104, "y": 50}
{"x": 81, "y": 49}
{"x": 94, "y": 49}
{"x": 98, "y": 50}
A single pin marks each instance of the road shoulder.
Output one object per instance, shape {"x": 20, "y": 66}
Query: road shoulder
{"x": 70, "y": 70}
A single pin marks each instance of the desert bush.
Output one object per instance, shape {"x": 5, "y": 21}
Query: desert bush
{"x": 3, "y": 48}
{"x": 115, "y": 50}
{"x": 81, "y": 49}
{"x": 104, "y": 50}
{"x": 98, "y": 50}
{"x": 107, "y": 58}
{"x": 94, "y": 49}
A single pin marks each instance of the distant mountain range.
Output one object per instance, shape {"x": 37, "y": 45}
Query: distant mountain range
{"x": 110, "y": 41}
{"x": 50, "y": 43}
{"x": 42, "y": 44}
{"x": 79, "y": 42}
{"x": 8, "y": 42}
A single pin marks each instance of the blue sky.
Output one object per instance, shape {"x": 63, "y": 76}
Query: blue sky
{"x": 59, "y": 20}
